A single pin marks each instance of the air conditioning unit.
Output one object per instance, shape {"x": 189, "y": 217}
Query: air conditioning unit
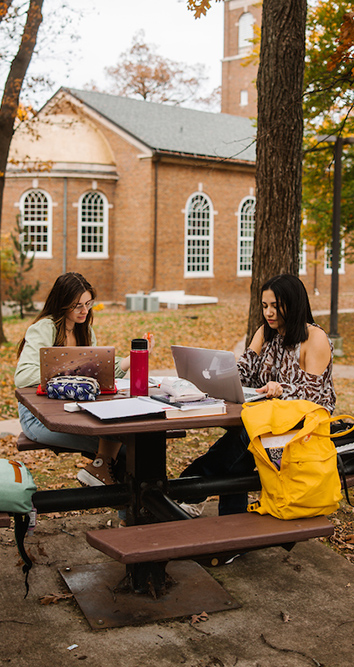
{"x": 151, "y": 303}
{"x": 134, "y": 302}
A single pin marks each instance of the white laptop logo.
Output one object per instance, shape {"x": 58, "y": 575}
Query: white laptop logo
{"x": 206, "y": 374}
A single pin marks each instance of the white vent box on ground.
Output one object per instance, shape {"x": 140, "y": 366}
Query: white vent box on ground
{"x": 151, "y": 303}
{"x": 134, "y": 302}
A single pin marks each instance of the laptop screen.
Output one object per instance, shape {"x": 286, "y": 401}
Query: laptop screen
{"x": 212, "y": 371}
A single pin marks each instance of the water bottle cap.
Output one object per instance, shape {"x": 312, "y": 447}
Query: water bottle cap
{"x": 139, "y": 344}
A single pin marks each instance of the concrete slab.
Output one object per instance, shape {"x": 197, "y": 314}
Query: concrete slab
{"x": 296, "y": 609}
{"x": 175, "y": 298}
{"x": 10, "y": 427}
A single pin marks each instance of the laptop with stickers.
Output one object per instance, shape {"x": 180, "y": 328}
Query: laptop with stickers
{"x": 94, "y": 362}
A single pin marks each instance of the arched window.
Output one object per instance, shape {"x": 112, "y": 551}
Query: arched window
{"x": 245, "y": 31}
{"x": 199, "y": 224}
{"x": 36, "y": 215}
{"x": 93, "y": 225}
{"x": 245, "y": 236}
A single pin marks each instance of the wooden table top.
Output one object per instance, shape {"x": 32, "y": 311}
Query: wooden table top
{"x": 52, "y": 414}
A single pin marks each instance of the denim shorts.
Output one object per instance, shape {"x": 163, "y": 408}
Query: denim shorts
{"x": 35, "y": 430}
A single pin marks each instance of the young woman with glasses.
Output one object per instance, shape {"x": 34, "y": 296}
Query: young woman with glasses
{"x": 66, "y": 320}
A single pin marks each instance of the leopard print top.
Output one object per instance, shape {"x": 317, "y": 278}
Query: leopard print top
{"x": 280, "y": 364}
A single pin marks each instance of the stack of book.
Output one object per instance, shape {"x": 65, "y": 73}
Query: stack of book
{"x": 199, "y": 408}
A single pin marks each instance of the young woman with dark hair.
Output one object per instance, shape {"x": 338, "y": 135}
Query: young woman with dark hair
{"x": 292, "y": 300}
{"x": 66, "y": 320}
{"x": 289, "y": 357}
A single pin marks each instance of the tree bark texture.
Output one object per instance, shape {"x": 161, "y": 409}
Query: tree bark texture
{"x": 11, "y": 97}
{"x": 279, "y": 146}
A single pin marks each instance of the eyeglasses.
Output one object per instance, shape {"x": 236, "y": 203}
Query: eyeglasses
{"x": 81, "y": 306}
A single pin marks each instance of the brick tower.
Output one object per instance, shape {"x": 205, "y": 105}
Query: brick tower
{"x": 239, "y": 95}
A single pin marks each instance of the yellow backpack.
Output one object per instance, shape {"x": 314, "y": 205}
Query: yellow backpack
{"x": 307, "y": 482}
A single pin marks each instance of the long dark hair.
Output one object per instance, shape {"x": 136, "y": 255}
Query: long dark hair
{"x": 293, "y": 305}
{"x": 65, "y": 294}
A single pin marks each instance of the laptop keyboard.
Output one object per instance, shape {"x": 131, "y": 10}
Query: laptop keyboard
{"x": 251, "y": 394}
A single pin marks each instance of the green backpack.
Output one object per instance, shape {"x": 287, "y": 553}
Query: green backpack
{"x": 16, "y": 490}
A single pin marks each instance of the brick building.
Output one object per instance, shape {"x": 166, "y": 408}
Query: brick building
{"x": 134, "y": 195}
{"x": 144, "y": 196}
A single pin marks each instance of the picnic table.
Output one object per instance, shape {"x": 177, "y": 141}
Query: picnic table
{"x": 144, "y": 550}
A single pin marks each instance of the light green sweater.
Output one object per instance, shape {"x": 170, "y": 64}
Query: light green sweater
{"x": 42, "y": 334}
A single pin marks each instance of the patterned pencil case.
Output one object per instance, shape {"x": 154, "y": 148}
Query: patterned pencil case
{"x": 73, "y": 387}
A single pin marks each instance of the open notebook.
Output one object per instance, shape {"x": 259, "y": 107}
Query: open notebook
{"x": 95, "y": 362}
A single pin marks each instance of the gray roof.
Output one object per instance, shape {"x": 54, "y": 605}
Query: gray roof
{"x": 173, "y": 129}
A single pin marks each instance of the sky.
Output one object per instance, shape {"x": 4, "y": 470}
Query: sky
{"x": 108, "y": 26}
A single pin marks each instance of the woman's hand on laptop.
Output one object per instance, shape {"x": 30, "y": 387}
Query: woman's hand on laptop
{"x": 271, "y": 390}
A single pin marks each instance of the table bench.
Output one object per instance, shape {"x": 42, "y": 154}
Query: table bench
{"x": 5, "y": 520}
{"x": 24, "y": 444}
{"x": 212, "y": 536}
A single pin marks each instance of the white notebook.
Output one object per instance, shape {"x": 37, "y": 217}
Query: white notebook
{"x": 122, "y": 408}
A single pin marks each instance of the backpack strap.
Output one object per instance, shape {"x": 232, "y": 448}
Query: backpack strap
{"x": 343, "y": 478}
{"x": 21, "y": 526}
{"x": 347, "y": 428}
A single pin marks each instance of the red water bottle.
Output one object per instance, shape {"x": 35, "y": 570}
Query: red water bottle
{"x": 139, "y": 367}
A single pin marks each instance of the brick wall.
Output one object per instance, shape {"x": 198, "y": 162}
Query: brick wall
{"x": 130, "y": 264}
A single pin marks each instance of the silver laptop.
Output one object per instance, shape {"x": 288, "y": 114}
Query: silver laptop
{"x": 95, "y": 362}
{"x": 212, "y": 371}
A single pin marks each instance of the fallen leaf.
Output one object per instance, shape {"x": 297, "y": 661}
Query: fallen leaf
{"x": 42, "y": 551}
{"x": 54, "y": 598}
{"x": 196, "y": 618}
{"x": 285, "y": 616}
{"x": 20, "y": 561}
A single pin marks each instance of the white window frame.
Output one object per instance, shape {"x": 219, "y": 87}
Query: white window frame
{"x": 48, "y": 223}
{"x": 101, "y": 254}
{"x": 303, "y": 258}
{"x": 245, "y": 32}
{"x": 207, "y": 238}
{"x": 243, "y": 98}
{"x": 327, "y": 265}
{"x": 251, "y": 200}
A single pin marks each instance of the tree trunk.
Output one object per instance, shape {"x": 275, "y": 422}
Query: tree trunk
{"x": 11, "y": 98}
{"x": 279, "y": 146}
